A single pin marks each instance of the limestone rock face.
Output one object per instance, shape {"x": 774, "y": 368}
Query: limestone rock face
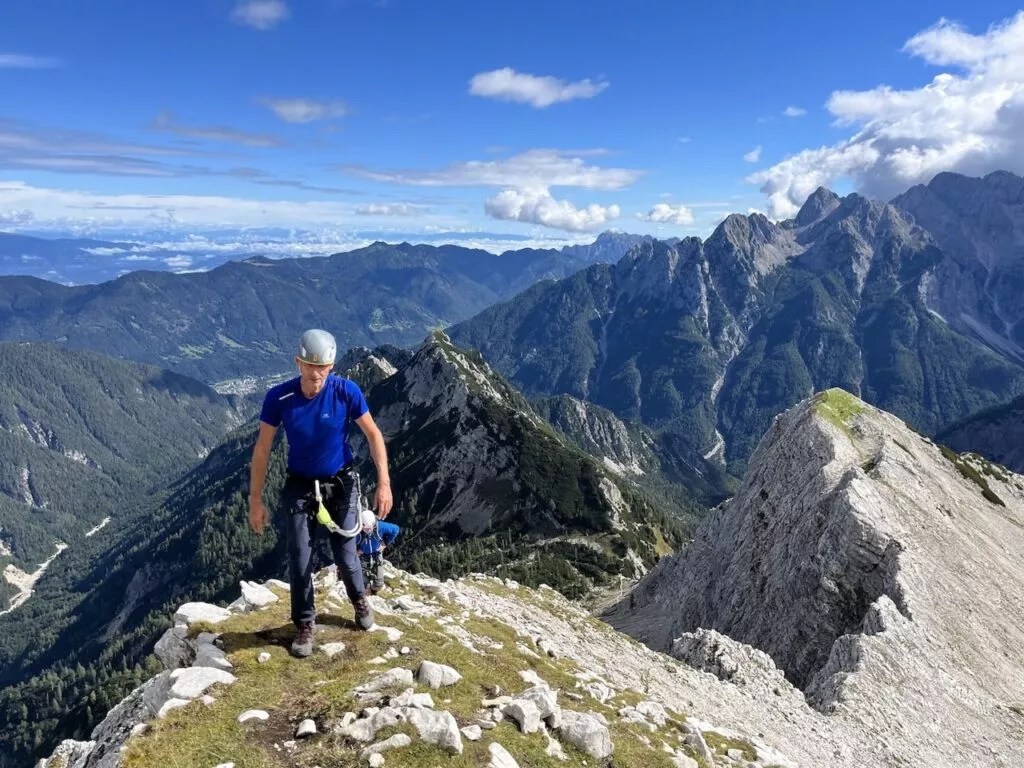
{"x": 884, "y": 576}
{"x": 979, "y": 224}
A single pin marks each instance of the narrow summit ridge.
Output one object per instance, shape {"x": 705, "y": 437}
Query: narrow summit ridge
{"x": 882, "y": 573}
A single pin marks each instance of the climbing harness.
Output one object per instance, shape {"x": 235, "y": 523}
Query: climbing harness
{"x": 323, "y": 516}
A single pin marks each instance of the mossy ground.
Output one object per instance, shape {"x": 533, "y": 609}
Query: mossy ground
{"x": 721, "y": 745}
{"x": 290, "y": 690}
{"x": 839, "y": 408}
{"x": 965, "y": 465}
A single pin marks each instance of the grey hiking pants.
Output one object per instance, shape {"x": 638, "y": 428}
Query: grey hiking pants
{"x": 299, "y": 501}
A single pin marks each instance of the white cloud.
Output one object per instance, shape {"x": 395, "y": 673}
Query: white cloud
{"x": 531, "y": 169}
{"x": 792, "y": 111}
{"x": 389, "y": 209}
{"x": 105, "y": 251}
{"x": 21, "y": 61}
{"x": 663, "y": 213}
{"x": 970, "y": 121}
{"x": 305, "y": 110}
{"x": 179, "y": 262}
{"x": 17, "y": 217}
{"x": 537, "y": 206}
{"x": 753, "y": 155}
{"x": 508, "y": 85}
{"x": 260, "y": 14}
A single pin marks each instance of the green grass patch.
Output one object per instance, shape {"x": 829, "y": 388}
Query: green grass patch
{"x": 722, "y": 744}
{"x": 290, "y": 690}
{"x": 967, "y": 470}
{"x": 839, "y": 408}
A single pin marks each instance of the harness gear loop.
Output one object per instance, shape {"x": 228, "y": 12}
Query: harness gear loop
{"x": 324, "y": 517}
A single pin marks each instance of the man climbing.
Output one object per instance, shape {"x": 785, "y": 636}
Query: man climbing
{"x": 321, "y": 487}
{"x": 375, "y": 536}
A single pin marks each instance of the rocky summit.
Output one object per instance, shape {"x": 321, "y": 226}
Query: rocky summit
{"x": 879, "y": 573}
{"x": 477, "y": 671}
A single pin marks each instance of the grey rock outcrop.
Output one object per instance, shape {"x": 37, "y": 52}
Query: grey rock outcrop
{"x": 437, "y": 675}
{"x": 994, "y": 433}
{"x": 885, "y": 579}
{"x": 979, "y": 224}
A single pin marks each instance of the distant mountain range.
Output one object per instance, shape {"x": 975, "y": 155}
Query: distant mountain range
{"x": 81, "y": 261}
{"x": 245, "y": 317}
{"x": 707, "y": 341}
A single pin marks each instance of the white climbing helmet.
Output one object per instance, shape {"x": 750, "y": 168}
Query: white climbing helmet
{"x": 368, "y": 520}
{"x": 317, "y": 347}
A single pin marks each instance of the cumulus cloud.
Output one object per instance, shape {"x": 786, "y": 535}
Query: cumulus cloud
{"x": 969, "y": 120}
{"x": 792, "y": 111}
{"x": 753, "y": 155}
{"x": 663, "y": 213}
{"x": 537, "y": 206}
{"x": 21, "y": 61}
{"x": 508, "y": 85}
{"x": 305, "y": 110}
{"x": 260, "y": 14}
{"x": 389, "y": 209}
{"x": 535, "y": 168}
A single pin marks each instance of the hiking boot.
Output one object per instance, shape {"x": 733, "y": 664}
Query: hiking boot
{"x": 364, "y": 614}
{"x": 302, "y": 645}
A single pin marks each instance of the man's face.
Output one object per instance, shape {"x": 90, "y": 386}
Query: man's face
{"x": 313, "y": 375}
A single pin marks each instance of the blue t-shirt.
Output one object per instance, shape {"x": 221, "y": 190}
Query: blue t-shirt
{"x": 317, "y": 429}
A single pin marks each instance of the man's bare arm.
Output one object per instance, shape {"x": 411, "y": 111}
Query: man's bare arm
{"x": 260, "y": 459}
{"x": 382, "y": 498}
{"x": 377, "y": 448}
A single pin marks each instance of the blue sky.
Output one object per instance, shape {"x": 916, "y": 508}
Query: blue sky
{"x": 539, "y": 119}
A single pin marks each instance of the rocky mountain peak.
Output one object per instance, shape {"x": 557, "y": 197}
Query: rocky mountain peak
{"x": 652, "y": 268}
{"x": 477, "y": 461}
{"x": 753, "y": 243}
{"x": 861, "y": 239}
{"x": 882, "y": 573}
{"x": 979, "y": 226}
{"x": 819, "y": 205}
{"x": 443, "y": 376}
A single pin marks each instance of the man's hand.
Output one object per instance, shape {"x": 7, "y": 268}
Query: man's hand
{"x": 382, "y": 500}
{"x": 258, "y": 517}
